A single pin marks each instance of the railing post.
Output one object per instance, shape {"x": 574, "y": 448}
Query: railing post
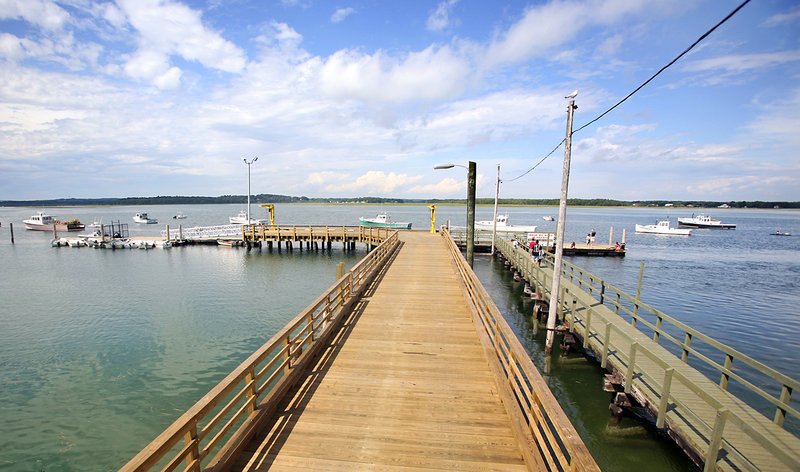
{"x": 631, "y": 363}
{"x": 602, "y": 291}
{"x": 251, "y": 392}
{"x": 606, "y": 345}
{"x": 194, "y": 450}
{"x": 616, "y": 309}
{"x": 657, "y": 331}
{"x": 587, "y": 332}
{"x": 780, "y": 413}
{"x": 716, "y": 440}
{"x": 723, "y": 382}
{"x": 687, "y": 340}
{"x": 662, "y": 408}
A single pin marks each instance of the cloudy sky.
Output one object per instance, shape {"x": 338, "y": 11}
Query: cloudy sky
{"x": 362, "y": 98}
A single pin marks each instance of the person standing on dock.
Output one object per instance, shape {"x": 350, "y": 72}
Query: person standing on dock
{"x": 593, "y": 234}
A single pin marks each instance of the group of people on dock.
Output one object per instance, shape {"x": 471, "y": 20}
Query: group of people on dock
{"x": 534, "y": 248}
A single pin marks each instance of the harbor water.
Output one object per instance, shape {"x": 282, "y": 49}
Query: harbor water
{"x": 100, "y": 350}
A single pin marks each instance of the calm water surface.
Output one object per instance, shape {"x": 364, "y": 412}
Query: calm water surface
{"x": 101, "y": 350}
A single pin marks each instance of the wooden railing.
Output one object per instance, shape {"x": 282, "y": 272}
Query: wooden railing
{"x": 551, "y": 442}
{"x": 364, "y": 234}
{"x": 223, "y": 420}
{"x": 627, "y": 348}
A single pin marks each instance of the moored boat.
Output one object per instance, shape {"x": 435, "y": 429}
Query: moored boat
{"x": 548, "y": 218}
{"x": 663, "y": 227}
{"x": 704, "y": 222}
{"x": 44, "y": 222}
{"x": 242, "y": 219}
{"x": 504, "y": 226}
{"x": 383, "y": 220}
{"x": 142, "y": 217}
{"x": 179, "y": 216}
{"x": 780, "y": 233}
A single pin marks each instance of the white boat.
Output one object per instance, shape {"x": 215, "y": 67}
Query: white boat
{"x": 179, "y": 216}
{"x": 44, "y": 222}
{"x": 94, "y": 224}
{"x": 383, "y": 220}
{"x": 705, "y": 222}
{"x": 142, "y": 217}
{"x": 662, "y": 227}
{"x": 548, "y": 218}
{"x": 504, "y": 226}
{"x": 241, "y": 219}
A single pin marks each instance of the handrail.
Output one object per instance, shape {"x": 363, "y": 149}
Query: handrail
{"x": 551, "y": 438}
{"x": 786, "y": 385}
{"x": 603, "y": 337}
{"x": 224, "y": 418}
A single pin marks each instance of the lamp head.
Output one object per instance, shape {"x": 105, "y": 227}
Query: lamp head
{"x": 443, "y": 166}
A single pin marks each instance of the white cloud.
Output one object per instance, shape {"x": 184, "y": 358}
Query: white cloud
{"x": 448, "y": 186}
{"x": 791, "y": 17}
{"x": 434, "y": 73}
{"x": 738, "y": 63}
{"x": 341, "y": 13}
{"x": 739, "y": 184}
{"x": 440, "y": 18}
{"x": 167, "y": 28}
{"x": 377, "y": 182}
{"x": 43, "y": 13}
{"x": 544, "y": 27}
{"x": 320, "y": 178}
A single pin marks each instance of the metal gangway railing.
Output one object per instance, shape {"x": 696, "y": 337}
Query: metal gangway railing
{"x": 204, "y": 232}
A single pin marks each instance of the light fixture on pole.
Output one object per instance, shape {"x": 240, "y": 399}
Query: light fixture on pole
{"x": 562, "y": 213}
{"x": 248, "y": 185}
{"x": 470, "y": 206}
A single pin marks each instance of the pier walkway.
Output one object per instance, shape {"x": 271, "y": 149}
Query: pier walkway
{"x": 659, "y": 360}
{"x": 405, "y": 363}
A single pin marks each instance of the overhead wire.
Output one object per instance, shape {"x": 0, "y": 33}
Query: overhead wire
{"x": 701, "y": 38}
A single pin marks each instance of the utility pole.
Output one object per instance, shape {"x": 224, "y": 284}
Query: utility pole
{"x": 471, "y": 213}
{"x": 562, "y": 213}
{"x": 496, "y": 195}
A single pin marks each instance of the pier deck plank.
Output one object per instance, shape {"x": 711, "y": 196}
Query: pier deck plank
{"x": 409, "y": 389}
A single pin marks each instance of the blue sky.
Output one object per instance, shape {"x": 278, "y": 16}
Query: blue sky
{"x": 362, "y": 98}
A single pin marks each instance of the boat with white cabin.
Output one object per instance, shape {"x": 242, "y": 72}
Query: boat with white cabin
{"x": 704, "y": 222}
{"x": 242, "y": 219}
{"x": 504, "y": 226}
{"x": 44, "y": 222}
{"x": 548, "y": 218}
{"x": 142, "y": 217}
{"x": 179, "y": 216}
{"x": 383, "y": 220}
{"x": 663, "y": 227}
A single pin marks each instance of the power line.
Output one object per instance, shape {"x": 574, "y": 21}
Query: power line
{"x": 701, "y": 38}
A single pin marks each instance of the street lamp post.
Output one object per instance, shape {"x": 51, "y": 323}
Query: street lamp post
{"x": 471, "y": 170}
{"x": 248, "y": 185}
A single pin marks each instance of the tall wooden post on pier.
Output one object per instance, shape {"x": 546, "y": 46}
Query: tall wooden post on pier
{"x": 471, "y": 213}
{"x": 494, "y": 219}
{"x": 562, "y": 213}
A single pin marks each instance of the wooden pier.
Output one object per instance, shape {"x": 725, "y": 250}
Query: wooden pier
{"x": 405, "y": 363}
{"x": 651, "y": 356}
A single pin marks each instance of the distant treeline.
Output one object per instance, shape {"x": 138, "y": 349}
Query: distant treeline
{"x": 271, "y": 198}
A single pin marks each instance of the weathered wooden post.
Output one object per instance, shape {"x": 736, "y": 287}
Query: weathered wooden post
{"x": 11, "y": 227}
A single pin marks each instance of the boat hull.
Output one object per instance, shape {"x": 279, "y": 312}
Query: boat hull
{"x": 653, "y": 229}
{"x": 375, "y": 224}
{"x": 706, "y": 226}
{"x": 59, "y": 227}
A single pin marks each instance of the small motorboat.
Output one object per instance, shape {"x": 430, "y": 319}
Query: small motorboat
{"x": 703, "y": 222}
{"x": 548, "y": 218}
{"x": 504, "y": 226}
{"x": 179, "y": 216}
{"x": 383, "y": 220}
{"x": 142, "y": 217}
{"x": 662, "y": 227}
{"x": 226, "y": 242}
{"x": 780, "y": 233}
